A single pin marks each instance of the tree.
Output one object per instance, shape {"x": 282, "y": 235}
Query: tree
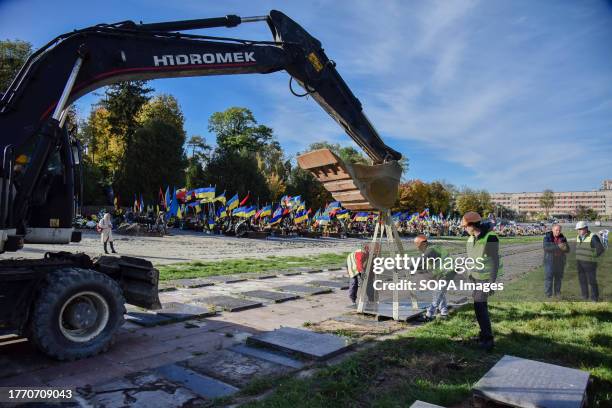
{"x": 415, "y": 195}
{"x": 301, "y": 182}
{"x": 236, "y": 129}
{"x": 547, "y": 201}
{"x": 195, "y": 176}
{"x": 348, "y": 154}
{"x": 164, "y": 108}
{"x": 471, "y": 200}
{"x": 585, "y": 213}
{"x": 124, "y": 102}
{"x": 199, "y": 149}
{"x": 13, "y": 54}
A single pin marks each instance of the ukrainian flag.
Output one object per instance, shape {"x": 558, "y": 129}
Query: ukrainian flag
{"x": 232, "y": 202}
{"x": 266, "y": 211}
{"x": 220, "y": 198}
{"x": 249, "y": 212}
{"x": 300, "y": 217}
{"x": 342, "y": 214}
{"x": 238, "y": 212}
{"x": 205, "y": 193}
{"x": 361, "y": 216}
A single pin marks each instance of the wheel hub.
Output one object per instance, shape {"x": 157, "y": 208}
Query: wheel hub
{"x": 81, "y": 315}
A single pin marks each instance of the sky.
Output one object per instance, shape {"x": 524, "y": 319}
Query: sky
{"x": 500, "y": 95}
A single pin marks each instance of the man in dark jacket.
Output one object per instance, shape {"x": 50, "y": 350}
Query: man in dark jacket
{"x": 555, "y": 248}
{"x": 588, "y": 249}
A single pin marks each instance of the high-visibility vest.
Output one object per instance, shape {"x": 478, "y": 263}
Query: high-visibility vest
{"x": 439, "y": 271}
{"x": 351, "y": 264}
{"x": 476, "y": 249}
{"x": 584, "y": 252}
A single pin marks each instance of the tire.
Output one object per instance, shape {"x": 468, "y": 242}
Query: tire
{"x": 72, "y": 293}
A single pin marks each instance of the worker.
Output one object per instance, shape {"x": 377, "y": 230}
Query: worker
{"x": 588, "y": 249}
{"x": 435, "y": 255}
{"x": 555, "y": 250}
{"x": 105, "y": 227}
{"x": 356, "y": 263}
{"x": 484, "y": 244}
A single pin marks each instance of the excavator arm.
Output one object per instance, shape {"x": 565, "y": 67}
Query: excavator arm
{"x": 33, "y": 109}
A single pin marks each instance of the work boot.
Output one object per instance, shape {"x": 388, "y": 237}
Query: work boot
{"x": 486, "y": 345}
{"x": 112, "y": 248}
{"x": 105, "y": 249}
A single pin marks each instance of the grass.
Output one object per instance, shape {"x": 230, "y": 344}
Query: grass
{"x": 198, "y": 269}
{"x": 436, "y": 363}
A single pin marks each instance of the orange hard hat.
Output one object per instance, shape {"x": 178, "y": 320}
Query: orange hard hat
{"x": 470, "y": 217}
{"x": 420, "y": 239}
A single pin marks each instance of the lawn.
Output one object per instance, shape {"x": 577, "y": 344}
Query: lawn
{"x": 438, "y": 364}
{"x": 198, "y": 269}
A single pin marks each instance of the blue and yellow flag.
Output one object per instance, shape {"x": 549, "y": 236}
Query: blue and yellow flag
{"x": 205, "y": 193}
{"x": 342, "y": 214}
{"x": 250, "y": 211}
{"x": 361, "y": 216}
{"x": 238, "y": 212}
{"x": 300, "y": 217}
{"x": 220, "y": 198}
{"x": 232, "y": 202}
{"x": 221, "y": 212}
{"x": 266, "y": 211}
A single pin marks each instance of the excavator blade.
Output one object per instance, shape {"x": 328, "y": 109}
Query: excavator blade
{"x": 359, "y": 187}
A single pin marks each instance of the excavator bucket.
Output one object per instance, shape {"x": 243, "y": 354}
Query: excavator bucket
{"x": 359, "y": 187}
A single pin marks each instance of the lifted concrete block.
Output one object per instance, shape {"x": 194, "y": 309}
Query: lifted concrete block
{"x": 228, "y": 303}
{"x": 304, "y": 290}
{"x": 531, "y": 384}
{"x": 330, "y": 284}
{"x": 276, "y": 297}
{"x": 234, "y": 368}
{"x": 200, "y": 384}
{"x": 317, "y": 346}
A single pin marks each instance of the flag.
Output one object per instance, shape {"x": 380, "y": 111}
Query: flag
{"x": 334, "y": 204}
{"x": 179, "y": 213}
{"x": 180, "y": 194}
{"x": 361, "y": 216}
{"x": 300, "y": 217}
{"x": 266, "y": 211}
{"x": 245, "y": 199}
{"x": 211, "y": 217}
{"x": 167, "y": 198}
{"x": 250, "y": 211}
{"x": 173, "y": 204}
{"x": 116, "y": 202}
{"x": 221, "y": 212}
{"x": 205, "y": 193}
{"x": 220, "y": 198}
{"x": 142, "y": 206}
{"x": 197, "y": 208}
{"x": 232, "y": 202}
{"x": 238, "y": 212}
{"x": 342, "y": 214}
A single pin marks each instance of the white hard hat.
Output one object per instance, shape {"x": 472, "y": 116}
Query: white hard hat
{"x": 581, "y": 225}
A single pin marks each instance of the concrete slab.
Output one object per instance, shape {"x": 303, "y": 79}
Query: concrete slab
{"x": 148, "y": 319}
{"x": 531, "y": 384}
{"x": 235, "y": 368}
{"x": 290, "y": 273}
{"x": 422, "y": 404}
{"x": 330, "y": 284}
{"x": 268, "y": 295}
{"x": 226, "y": 279}
{"x": 200, "y": 384}
{"x": 190, "y": 283}
{"x": 166, "y": 286}
{"x": 318, "y": 346}
{"x": 385, "y": 310}
{"x": 304, "y": 290}
{"x": 272, "y": 356}
{"x": 228, "y": 303}
{"x": 181, "y": 311}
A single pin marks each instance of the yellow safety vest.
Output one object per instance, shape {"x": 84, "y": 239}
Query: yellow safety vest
{"x": 584, "y": 252}
{"x": 476, "y": 249}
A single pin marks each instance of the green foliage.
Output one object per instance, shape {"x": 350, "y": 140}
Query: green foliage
{"x": 584, "y": 213}
{"x": 236, "y": 129}
{"x": 301, "y": 182}
{"x": 195, "y": 176}
{"x": 124, "y": 102}
{"x": 473, "y": 200}
{"x": 13, "y": 54}
{"x": 348, "y": 154}
{"x": 416, "y": 195}
{"x": 547, "y": 201}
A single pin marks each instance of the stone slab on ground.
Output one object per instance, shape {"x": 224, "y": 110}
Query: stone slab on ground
{"x": 234, "y": 368}
{"x": 226, "y": 279}
{"x": 317, "y": 346}
{"x": 202, "y": 385}
{"x": 304, "y": 290}
{"x": 182, "y": 311}
{"x": 166, "y": 286}
{"x": 268, "y": 355}
{"x": 276, "y": 297}
{"x": 330, "y": 284}
{"x": 228, "y": 303}
{"x": 531, "y": 384}
{"x": 148, "y": 319}
{"x": 264, "y": 275}
{"x": 422, "y": 404}
{"x": 190, "y": 283}
{"x": 144, "y": 389}
{"x": 385, "y": 310}
{"x": 290, "y": 273}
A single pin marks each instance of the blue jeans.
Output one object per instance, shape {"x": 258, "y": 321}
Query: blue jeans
{"x": 438, "y": 301}
{"x": 553, "y": 275}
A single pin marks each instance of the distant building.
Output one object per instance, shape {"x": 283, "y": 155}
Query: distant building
{"x": 566, "y": 202}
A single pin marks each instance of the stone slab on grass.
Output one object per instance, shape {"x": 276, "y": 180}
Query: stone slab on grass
{"x": 202, "y": 385}
{"x": 304, "y": 290}
{"x": 531, "y": 384}
{"x": 316, "y": 346}
{"x": 228, "y": 303}
{"x": 269, "y": 295}
{"x": 384, "y": 310}
{"x": 226, "y": 279}
{"x": 234, "y": 368}
{"x": 268, "y": 355}
{"x": 190, "y": 283}
{"x": 182, "y": 311}
{"x": 330, "y": 284}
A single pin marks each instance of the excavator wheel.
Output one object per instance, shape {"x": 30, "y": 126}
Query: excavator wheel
{"x": 76, "y": 314}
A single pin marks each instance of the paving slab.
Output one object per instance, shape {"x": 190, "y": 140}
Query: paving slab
{"x": 317, "y": 346}
{"x": 304, "y": 290}
{"x": 330, "y": 284}
{"x": 290, "y": 273}
{"x": 385, "y": 310}
{"x": 148, "y": 319}
{"x": 145, "y": 389}
{"x": 268, "y": 355}
{"x": 531, "y": 384}
{"x": 226, "y": 279}
{"x": 183, "y": 311}
{"x": 228, "y": 303}
{"x": 422, "y": 404}
{"x": 190, "y": 283}
{"x": 166, "y": 286}
{"x": 202, "y": 385}
{"x": 235, "y": 368}
{"x": 276, "y": 297}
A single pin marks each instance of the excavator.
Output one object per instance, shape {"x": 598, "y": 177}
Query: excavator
{"x": 69, "y": 305}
